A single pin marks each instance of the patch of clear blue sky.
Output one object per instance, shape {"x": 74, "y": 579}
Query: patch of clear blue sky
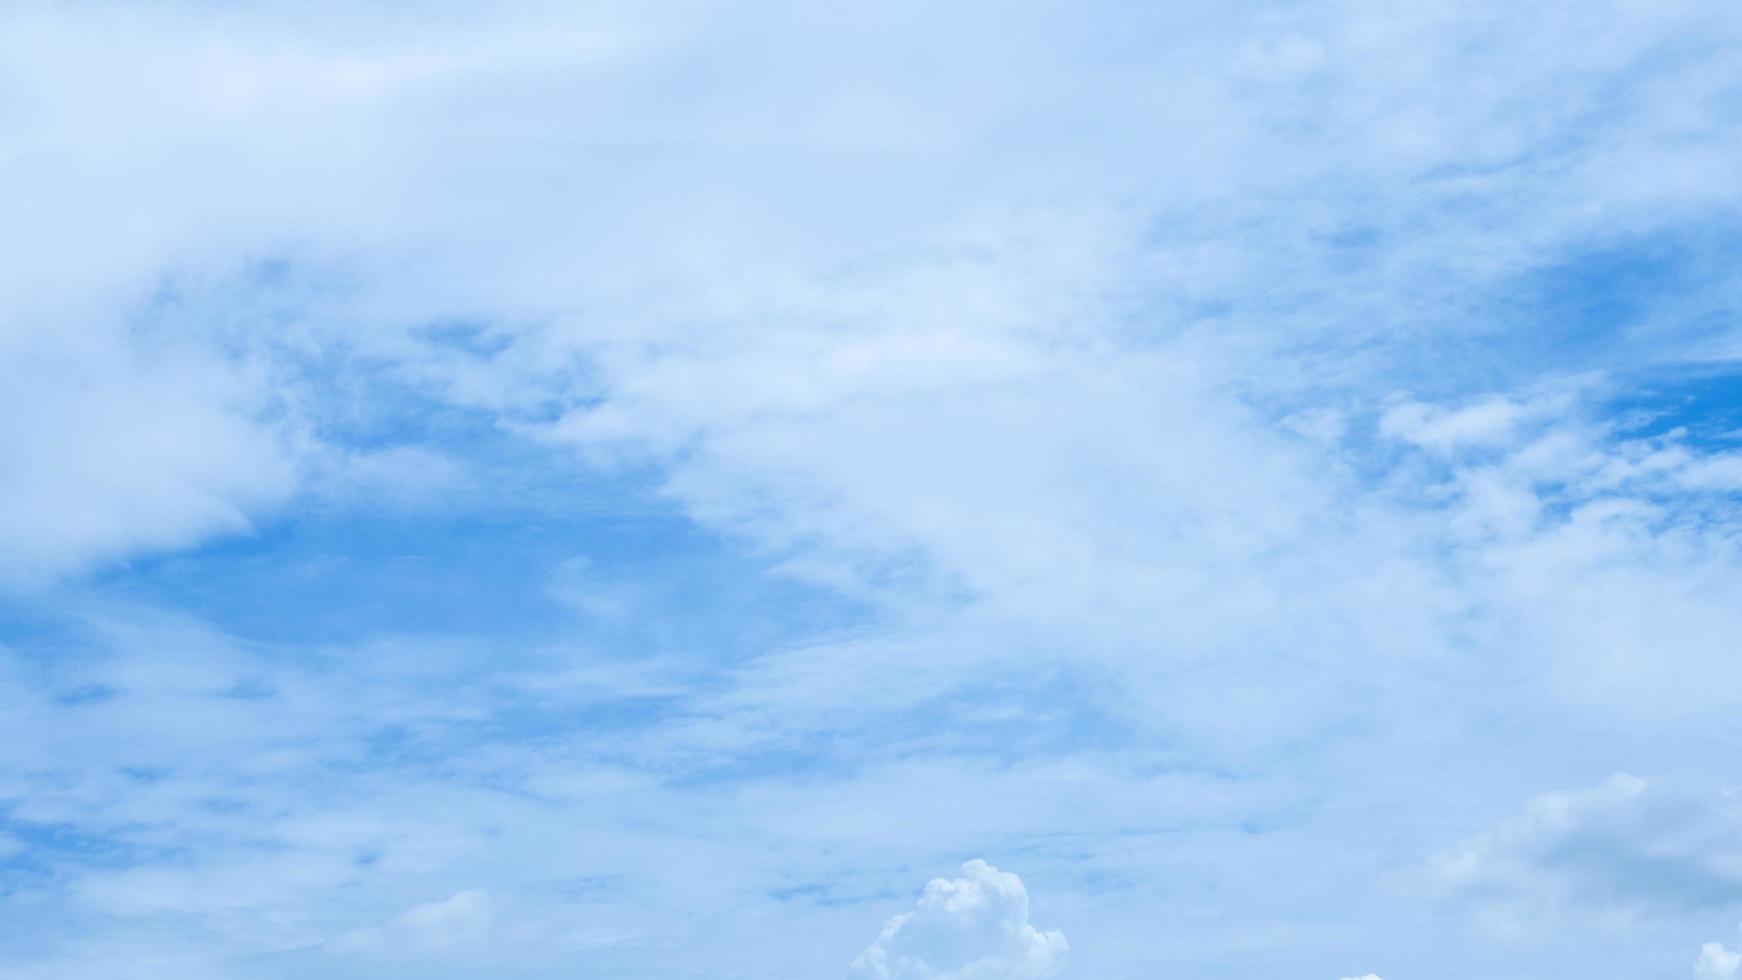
{"x": 1703, "y": 400}
{"x": 316, "y": 577}
{"x": 504, "y": 553}
{"x": 1666, "y": 291}
{"x": 1615, "y": 305}
{"x": 1641, "y": 310}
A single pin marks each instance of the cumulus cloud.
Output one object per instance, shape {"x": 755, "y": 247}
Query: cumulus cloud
{"x": 970, "y": 928}
{"x": 1623, "y": 847}
{"x": 1717, "y": 963}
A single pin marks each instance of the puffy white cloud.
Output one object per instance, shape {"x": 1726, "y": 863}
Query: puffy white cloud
{"x": 970, "y": 928}
{"x": 1621, "y": 847}
{"x": 1717, "y": 963}
{"x": 1599, "y": 547}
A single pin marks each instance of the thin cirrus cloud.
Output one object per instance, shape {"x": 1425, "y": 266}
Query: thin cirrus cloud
{"x": 631, "y": 482}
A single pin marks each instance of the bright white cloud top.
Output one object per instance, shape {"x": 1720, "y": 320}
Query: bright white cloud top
{"x": 970, "y": 928}
{"x": 632, "y": 490}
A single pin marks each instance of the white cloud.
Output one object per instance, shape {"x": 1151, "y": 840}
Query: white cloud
{"x": 466, "y": 918}
{"x": 970, "y": 928}
{"x": 1620, "y": 848}
{"x": 113, "y": 448}
{"x": 1717, "y": 963}
{"x": 804, "y": 269}
{"x": 1486, "y": 423}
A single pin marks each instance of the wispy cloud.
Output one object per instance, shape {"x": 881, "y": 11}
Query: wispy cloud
{"x": 635, "y": 481}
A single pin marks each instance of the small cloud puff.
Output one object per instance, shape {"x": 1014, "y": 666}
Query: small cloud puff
{"x": 1718, "y": 963}
{"x": 1487, "y": 423}
{"x": 970, "y": 928}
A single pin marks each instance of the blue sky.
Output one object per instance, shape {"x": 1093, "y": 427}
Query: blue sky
{"x": 965, "y": 492}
